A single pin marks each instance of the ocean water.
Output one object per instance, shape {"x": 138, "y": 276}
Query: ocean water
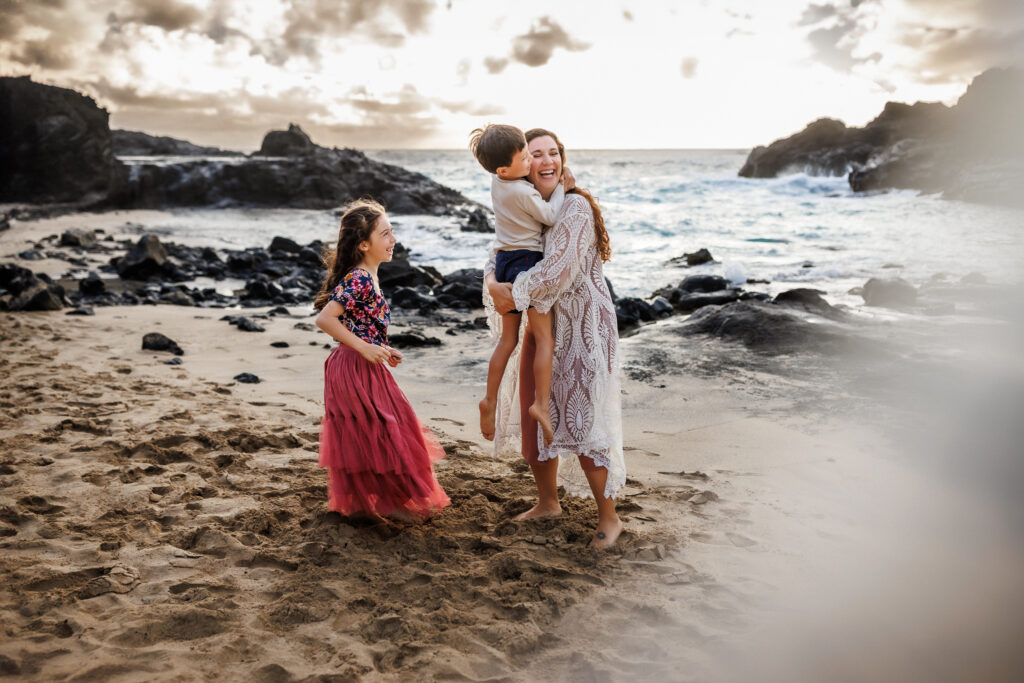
{"x": 793, "y": 231}
{"x": 796, "y": 230}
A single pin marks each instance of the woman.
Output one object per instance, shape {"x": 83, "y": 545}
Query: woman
{"x": 586, "y": 411}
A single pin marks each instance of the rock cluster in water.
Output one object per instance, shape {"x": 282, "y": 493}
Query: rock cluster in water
{"x": 56, "y": 146}
{"x": 973, "y": 150}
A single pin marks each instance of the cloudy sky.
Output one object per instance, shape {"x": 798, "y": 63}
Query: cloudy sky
{"x": 423, "y": 73}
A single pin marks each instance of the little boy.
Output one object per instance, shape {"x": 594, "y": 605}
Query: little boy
{"x": 520, "y": 216}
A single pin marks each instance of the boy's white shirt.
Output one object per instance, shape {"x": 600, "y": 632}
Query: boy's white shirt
{"x": 520, "y": 213}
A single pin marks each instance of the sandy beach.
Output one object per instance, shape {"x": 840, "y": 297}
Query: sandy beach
{"x": 163, "y": 521}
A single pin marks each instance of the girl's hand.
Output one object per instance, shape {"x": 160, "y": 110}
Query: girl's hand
{"x": 568, "y": 179}
{"x": 374, "y": 353}
{"x": 395, "y": 358}
{"x": 501, "y": 292}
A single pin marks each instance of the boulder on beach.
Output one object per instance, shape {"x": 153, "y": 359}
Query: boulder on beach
{"x": 765, "y": 327}
{"x": 23, "y": 290}
{"x": 889, "y": 292}
{"x": 76, "y": 237}
{"x": 40, "y": 296}
{"x": 400, "y": 273}
{"x": 280, "y": 243}
{"x": 155, "y": 341}
{"x": 147, "y": 258}
{"x": 412, "y": 339}
{"x": 92, "y": 285}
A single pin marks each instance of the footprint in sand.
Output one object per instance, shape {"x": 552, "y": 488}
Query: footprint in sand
{"x": 740, "y": 540}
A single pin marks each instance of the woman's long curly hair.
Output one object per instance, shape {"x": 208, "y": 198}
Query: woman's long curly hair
{"x": 604, "y": 247}
{"x": 357, "y": 225}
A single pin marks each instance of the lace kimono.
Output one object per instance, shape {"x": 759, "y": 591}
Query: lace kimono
{"x": 585, "y": 387}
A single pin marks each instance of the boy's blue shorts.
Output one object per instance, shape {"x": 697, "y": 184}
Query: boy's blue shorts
{"x": 508, "y": 264}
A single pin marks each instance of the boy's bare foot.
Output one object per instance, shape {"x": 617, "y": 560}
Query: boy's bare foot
{"x": 487, "y": 409}
{"x": 543, "y": 418}
{"x": 607, "y": 534}
{"x": 538, "y": 512}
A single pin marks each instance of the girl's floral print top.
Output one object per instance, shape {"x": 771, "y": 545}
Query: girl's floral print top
{"x": 367, "y": 314}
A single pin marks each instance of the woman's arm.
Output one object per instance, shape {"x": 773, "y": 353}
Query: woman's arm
{"x": 568, "y": 244}
{"x": 328, "y": 322}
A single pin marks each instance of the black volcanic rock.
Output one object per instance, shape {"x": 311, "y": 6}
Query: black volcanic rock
{"x": 40, "y": 296}
{"x": 765, "y": 327}
{"x": 76, "y": 237}
{"x": 144, "y": 260}
{"x": 401, "y": 273}
{"x": 287, "y": 143}
{"x": 130, "y": 143}
{"x": 28, "y": 292}
{"x": 630, "y": 311}
{"x": 686, "y": 302}
{"x": 322, "y": 179}
{"x": 477, "y": 221}
{"x": 15, "y": 279}
{"x": 809, "y": 300}
{"x": 970, "y": 151}
{"x": 280, "y": 243}
{"x": 54, "y": 144}
{"x": 412, "y": 339}
{"x": 697, "y": 258}
{"x": 92, "y": 285}
{"x": 155, "y": 341}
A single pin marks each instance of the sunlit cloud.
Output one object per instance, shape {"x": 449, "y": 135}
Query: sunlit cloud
{"x": 495, "y": 65}
{"x": 536, "y": 46}
{"x": 688, "y": 67}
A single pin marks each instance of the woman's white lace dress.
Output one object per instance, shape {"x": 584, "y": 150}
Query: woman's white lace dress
{"x": 586, "y": 406}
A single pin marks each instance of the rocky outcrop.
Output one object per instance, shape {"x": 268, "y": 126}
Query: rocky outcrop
{"x": 287, "y": 172}
{"x": 765, "y": 327}
{"x": 970, "y": 151}
{"x": 54, "y": 144}
{"x": 287, "y": 143}
{"x": 132, "y": 143}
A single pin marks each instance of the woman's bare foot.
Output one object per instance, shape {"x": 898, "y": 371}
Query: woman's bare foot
{"x": 543, "y": 417}
{"x": 607, "y": 533}
{"x": 487, "y": 409}
{"x": 538, "y": 512}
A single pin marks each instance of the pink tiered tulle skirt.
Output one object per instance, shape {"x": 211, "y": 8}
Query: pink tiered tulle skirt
{"x": 379, "y": 456}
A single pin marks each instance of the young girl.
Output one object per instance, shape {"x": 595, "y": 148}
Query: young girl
{"x": 379, "y": 457}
